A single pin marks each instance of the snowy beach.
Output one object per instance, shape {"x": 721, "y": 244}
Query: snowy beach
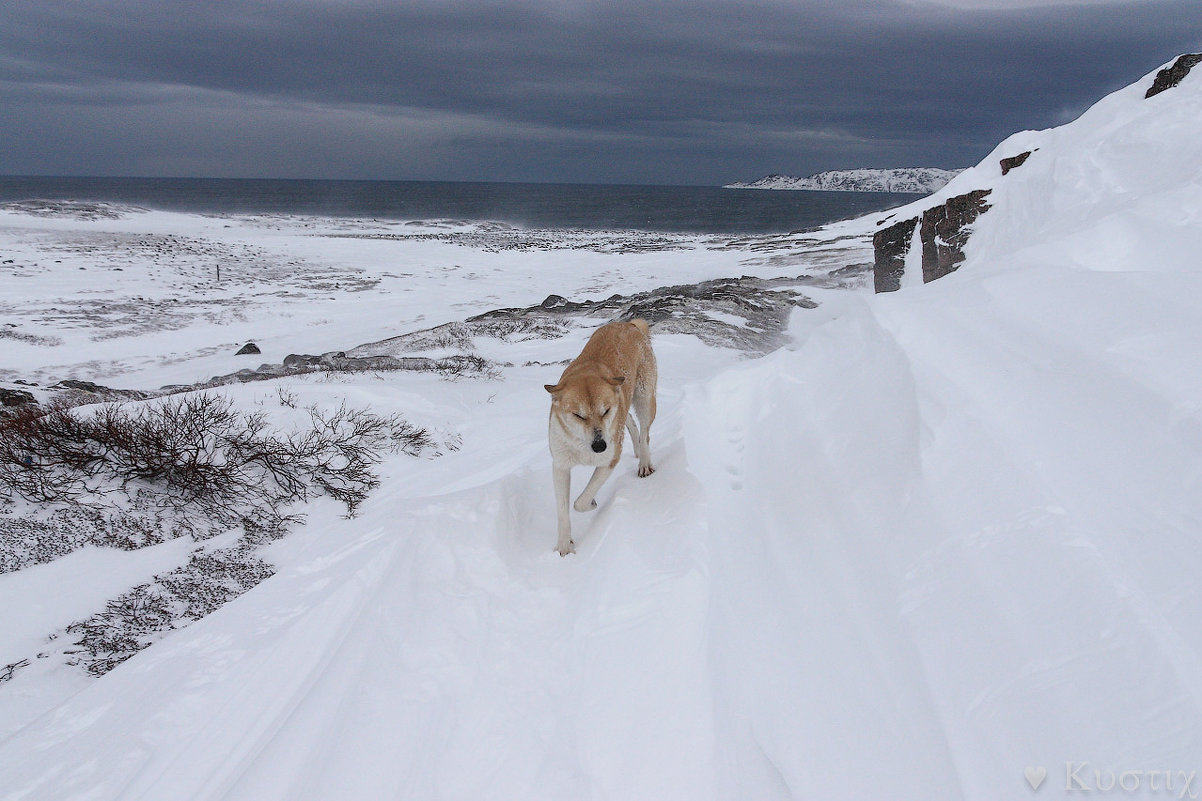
{"x": 922, "y": 544}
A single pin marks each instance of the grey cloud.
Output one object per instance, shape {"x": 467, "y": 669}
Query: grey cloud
{"x": 670, "y": 91}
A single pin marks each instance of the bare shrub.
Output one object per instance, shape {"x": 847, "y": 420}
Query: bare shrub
{"x": 128, "y": 624}
{"x": 196, "y": 451}
{"x": 10, "y": 670}
{"x": 337, "y": 453}
{"x": 462, "y": 365}
{"x": 8, "y": 332}
{"x": 43, "y": 535}
{"x": 140, "y": 617}
{"x": 137, "y": 474}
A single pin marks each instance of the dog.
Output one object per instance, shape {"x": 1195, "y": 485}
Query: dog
{"x": 590, "y": 406}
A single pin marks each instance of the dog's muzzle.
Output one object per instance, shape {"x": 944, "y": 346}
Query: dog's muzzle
{"x": 598, "y": 446}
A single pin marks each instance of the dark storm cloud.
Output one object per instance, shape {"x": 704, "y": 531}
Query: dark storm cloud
{"x": 677, "y": 92}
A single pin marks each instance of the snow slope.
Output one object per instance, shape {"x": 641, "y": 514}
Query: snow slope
{"x": 902, "y": 179}
{"x": 947, "y": 535}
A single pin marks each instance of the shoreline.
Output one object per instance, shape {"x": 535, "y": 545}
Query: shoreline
{"x": 670, "y": 209}
{"x": 84, "y": 281}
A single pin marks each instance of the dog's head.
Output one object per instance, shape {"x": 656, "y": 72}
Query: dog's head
{"x": 586, "y": 407}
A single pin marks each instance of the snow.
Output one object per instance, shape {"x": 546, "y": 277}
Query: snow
{"x": 945, "y": 535}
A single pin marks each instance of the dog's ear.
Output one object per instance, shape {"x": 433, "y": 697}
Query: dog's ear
{"x": 552, "y": 388}
{"x": 616, "y": 381}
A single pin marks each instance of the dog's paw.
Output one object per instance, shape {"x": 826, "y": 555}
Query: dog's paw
{"x": 564, "y": 550}
{"x": 581, "y": 507}
{"x": 645, "y": 471}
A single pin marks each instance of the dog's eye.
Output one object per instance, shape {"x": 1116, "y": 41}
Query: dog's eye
{"x": 605, "y": 412}
{"x": 579, "y": 416}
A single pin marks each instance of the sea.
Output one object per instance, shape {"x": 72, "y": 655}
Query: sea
{"x": 689, "y": 209}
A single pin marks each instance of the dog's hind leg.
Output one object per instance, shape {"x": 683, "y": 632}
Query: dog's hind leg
{"x": 635, "y": 437}
{"x": 644, "y": 407}
{"x": 586, "y": 502}
{"x": 563, "y": 489}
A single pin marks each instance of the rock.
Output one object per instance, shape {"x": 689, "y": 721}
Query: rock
{"x": 1010, "y": 162}
{"x": 710, "y": 310}
{"x": 104, "y": 393}
{"x": 750, "y": 314}
{"x": 943, "y": 232}
{"x": 890, "y": 245}
{"x": 82, "y": 386}
{"x": 1171, "y": 76}
{"x": 16, "y": 397}
{"x": 249, "y": 347}
{"x": 338, "y": 361}
{"x": 78, "y": 209}
{"x": 301, "y": 360}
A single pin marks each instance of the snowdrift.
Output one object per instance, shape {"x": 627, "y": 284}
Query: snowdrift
{"x": 946, "y": 539}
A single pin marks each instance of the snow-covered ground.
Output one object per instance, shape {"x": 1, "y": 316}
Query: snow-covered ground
{"x": 946, "y": 541}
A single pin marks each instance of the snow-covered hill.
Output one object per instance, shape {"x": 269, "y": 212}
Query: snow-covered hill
{"x": 943, "y": 543}
{"x": 905, "y": 179}
{"x": 1112, "y": 191}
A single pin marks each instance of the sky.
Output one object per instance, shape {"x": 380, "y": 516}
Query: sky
{"x": 652, "y": 92}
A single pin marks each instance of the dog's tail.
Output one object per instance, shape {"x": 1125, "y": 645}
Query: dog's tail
{"x": 641, "y": 324}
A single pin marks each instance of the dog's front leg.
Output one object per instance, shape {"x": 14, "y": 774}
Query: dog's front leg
{"x": 563, "y": 490}
{"x": 586, "y": 502}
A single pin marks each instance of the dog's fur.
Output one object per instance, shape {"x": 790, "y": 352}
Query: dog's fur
{"x": 591, "y": 405}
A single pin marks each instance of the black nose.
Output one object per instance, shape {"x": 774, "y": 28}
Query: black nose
{"x": 598, "y": 445}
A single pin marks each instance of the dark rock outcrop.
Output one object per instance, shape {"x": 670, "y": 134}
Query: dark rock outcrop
{"x": 943, "y": 231}
{"x": 77, "y": 209}
{"x": 14, "y": 401}
{"x": 15, "y": 397}
{"x": 1169, "y": 77}
{"x": 890, "y": 245}
{"x": 1010, "y": 162}
{"x": 707, "y": 310}
{"x": 101, "y": 393}
{"x": 337, "y": 361}
{"x": 68, "y": 392}
{"x": 749, "y": 314}
{"x": 248, "y": 348}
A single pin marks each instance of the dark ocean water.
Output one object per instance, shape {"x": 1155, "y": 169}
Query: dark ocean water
{"x": 697, "y": 209}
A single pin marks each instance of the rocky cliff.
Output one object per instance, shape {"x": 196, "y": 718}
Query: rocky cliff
{"x": 943, "y": 230}
{"x": 1070, "y": 159}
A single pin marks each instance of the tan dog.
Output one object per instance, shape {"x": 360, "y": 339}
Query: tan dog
{"x": 589, "y": 408}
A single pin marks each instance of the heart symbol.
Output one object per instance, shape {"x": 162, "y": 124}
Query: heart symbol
{"x": 1035, "y": 776}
